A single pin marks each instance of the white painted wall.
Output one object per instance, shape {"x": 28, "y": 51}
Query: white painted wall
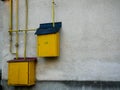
{"x": 90, "y": 39}
{"x": 1, "y": 32}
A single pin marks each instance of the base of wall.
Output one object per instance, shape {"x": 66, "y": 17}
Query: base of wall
{"x": 66, "y": 85}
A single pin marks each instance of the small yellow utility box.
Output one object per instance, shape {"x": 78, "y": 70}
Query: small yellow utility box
{"x": 21, "y": 72}
{"x": 48, "y": 40}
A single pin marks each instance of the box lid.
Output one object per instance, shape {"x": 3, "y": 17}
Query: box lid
{"x": 23, "y": 60}
{"x": 47, "y": 28}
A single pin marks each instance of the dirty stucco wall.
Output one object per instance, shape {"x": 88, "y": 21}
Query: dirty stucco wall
{"x": 1, "y": 32}
{"x": 89, "y": 45}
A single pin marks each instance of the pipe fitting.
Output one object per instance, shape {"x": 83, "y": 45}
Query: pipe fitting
{"x": 16, "y": 45}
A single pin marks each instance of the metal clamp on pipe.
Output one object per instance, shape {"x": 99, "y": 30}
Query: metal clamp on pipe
{"x": 10, "y": 31}
{"x": 16, "y": 45}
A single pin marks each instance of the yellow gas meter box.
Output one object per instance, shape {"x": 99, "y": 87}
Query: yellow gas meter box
{"x": 21, "y": 72}
{"x": 48, "y": 40}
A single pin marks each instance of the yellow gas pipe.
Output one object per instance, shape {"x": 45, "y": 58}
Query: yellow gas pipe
{"x": 53, "y": 13}
{"x": 22, "y": 30}
{"x": 26, "y": 27}
{"x": 17, "y": 34}
{"x": 17, "y": 29}
{"x": 11, "y": 25}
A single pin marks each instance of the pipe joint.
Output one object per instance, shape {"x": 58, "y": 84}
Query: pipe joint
{"x": 10, "y": 39}
{"x": 16, "y": 45}
{"x": 10, "y": 31}
{"x": 53, "y": 3}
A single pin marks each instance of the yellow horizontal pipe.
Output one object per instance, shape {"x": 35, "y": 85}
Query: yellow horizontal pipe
{"x": 21, "y": 30}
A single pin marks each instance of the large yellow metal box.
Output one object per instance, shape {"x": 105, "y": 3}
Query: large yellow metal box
{"x": 48, "y": 40}
{"x": 48, "y": 45}
{"x": 21, "y": 72}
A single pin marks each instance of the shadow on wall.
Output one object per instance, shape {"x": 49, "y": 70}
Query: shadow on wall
{"x": 51, "y": 60}
{"x": 69, "y": 85}
{"x": 0, "y": 80}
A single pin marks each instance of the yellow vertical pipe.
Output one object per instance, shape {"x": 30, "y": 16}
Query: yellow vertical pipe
{"x": 53, "y": 13}
{"x": 17, "y": 34}
{"x": 26, "y": 27}
{"x": 11, "y": 25}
